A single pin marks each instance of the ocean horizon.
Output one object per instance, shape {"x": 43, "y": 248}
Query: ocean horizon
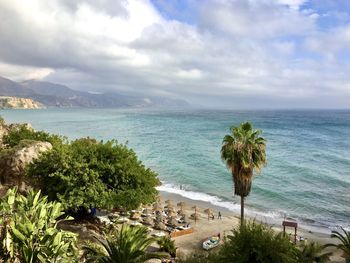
{"x": 307, "y": 176}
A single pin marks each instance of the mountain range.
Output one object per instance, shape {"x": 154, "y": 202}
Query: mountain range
{"x": 56, "y": 95}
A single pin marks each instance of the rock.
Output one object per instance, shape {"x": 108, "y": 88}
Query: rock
{"x": 13, "y": 162}
{"x": 3, "y": 131}
{"x": 18, "y": 103}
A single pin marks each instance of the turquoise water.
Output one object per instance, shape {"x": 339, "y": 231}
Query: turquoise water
{"x": 308, "y": 171}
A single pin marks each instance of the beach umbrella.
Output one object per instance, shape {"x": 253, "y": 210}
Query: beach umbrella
{"x": 135, "y": 215}
{"x": 181, "y": 205}
{"x": 159, "y": 226}
{"x": 159, "y": 218}
{"x": 157, "y": 207}
{"x": 195, "y": 212}
{"x": 208, "y": 211}
{"x": 147, "y": 211}
{"x": 172, "y": 222}
{"x": 147, "y": 221}
{"x": 183, "y": 219}
{"x": 194, "y": 216}
{"x": 172, "y": 214}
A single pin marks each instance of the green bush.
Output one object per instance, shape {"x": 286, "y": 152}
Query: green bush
{"x": 28, "y": 230}
{"x": 257, "y": 243}
{"x": 15, "y": 136}
{"x": 312, "y": 253}
{"x": 166, "y": 244}
{"x": 88, "y": 173}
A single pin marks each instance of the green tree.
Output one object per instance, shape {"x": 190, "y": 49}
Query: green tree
{"x": 243, "y": 151}
{"x": 29, "y": 233}
{"x": 344, "y": 244}
{"x": 257, "y": 243}
{"x": 88, "y": 173}
{"x": 16, "y": 135}
{"x": 127, "y": 245}
{"x": 312, "y": 253}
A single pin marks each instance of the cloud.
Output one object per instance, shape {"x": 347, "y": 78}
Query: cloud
{"x": 236, "y": 53}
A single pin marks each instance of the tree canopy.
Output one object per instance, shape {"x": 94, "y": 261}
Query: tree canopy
{"x": 87, "y": 173}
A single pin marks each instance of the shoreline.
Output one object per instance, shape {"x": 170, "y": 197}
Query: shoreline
{"x": 204, "y": 228}
{"x": 225, "y": 212}
{"x": 215, "y": 202}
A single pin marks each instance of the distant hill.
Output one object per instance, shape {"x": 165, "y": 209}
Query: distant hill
{"x": 56, "y": 95}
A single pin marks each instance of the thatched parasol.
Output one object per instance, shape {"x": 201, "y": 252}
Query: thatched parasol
{"x": 159, "y": 226}
{"x": 172, "y": 214}
{"x": 159, "y": 218}
{"x": 181, "y": 205}
{"x": 157, "y": 207}
{"x": 194, "y": 216}
{"x": 147, "y": 211}
{"x": 147, "y": 221}
{"x": 209, "y": 212}
{"x": 172, "y": 222}
{"x": 135, "y": 215}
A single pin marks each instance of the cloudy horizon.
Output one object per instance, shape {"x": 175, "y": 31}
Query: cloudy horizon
{"x": 216, "y": 53}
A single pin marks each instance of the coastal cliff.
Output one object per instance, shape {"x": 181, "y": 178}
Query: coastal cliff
{"x": 18, "y": 103}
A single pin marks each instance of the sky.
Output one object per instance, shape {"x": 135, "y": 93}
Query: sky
{"x": 212, "y": 53}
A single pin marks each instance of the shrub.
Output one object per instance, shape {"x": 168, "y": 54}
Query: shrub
{"x": 312, "y": 253}
{"x": 166, "y": 244}
{"x": 29, "y": 233}
{"x": 257, "y": 243}
{"x": 15, "y": 136}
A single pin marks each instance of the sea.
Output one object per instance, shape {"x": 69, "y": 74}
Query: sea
{"x": 307, "y": 176}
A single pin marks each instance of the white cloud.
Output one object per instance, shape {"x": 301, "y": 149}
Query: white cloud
{"x": 261, "y": 50}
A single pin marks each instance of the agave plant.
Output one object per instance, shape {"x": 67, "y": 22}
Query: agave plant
{"x": 127, "y": 245}
{"x": 29, "y": 232}
{"x": 344, "y": 244}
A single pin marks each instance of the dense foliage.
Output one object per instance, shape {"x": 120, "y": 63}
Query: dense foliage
{"x": 257, "y": 243}
{"x": 127, "y": 245}
{"x": 28, "y": 230}
{"x": 312, "y": 253}
{"x": 166, "y": 244}
{"x": 15, "y": 136}
{"x": 344, "y": 242}
{"x": 87, "y": 173}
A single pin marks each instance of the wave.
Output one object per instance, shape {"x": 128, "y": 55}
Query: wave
{"x": 273, "y": 218}
{"x": 269, "y": 216}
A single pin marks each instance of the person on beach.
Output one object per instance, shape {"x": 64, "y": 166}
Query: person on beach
{"x": 219, "y": 215}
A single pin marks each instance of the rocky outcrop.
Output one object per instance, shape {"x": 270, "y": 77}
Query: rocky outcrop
{"x": 18, "y": 103}
{"x": 13, "y": 162}
{"x": 3, "y": 131}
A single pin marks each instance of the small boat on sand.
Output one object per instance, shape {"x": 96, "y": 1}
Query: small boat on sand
{"x": 211, "y": 242}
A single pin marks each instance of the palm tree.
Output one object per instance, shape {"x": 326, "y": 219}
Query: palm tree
{"x": 243, "y": 151}
{"x": 344, "y": 244}
{"x": 313, "y": 253}
{"x": 128, "y": 245}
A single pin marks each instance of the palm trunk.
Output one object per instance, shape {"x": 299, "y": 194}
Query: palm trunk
{"x": 242, "y": 210}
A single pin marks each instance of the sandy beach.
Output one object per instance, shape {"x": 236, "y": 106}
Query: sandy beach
{"x": 203, "y": 228}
